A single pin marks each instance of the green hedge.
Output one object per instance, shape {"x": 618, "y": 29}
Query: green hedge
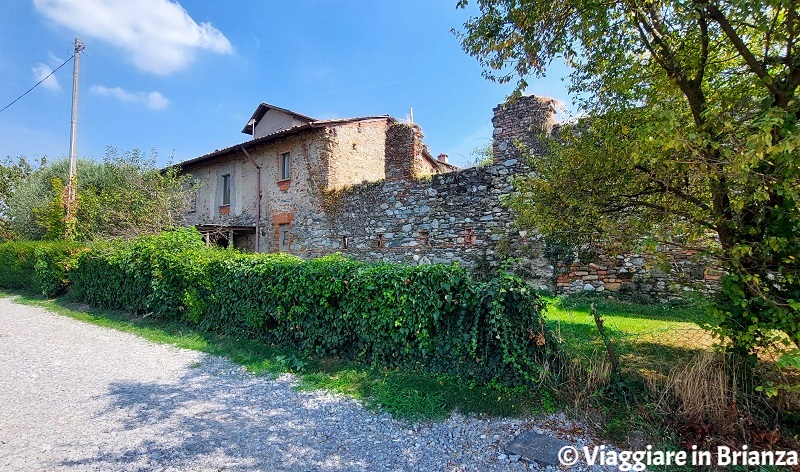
{"x": 434, "y": 318}
{"x": 39, "y": 266}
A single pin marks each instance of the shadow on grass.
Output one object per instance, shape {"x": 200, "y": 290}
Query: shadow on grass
{"x": 689, "y": 312}
{"x": 653, "y": 351}
{"x": 407, "y": 395}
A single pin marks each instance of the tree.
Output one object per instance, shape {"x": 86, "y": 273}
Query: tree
{"x": 12, "y": 173}
{"x": 693, "y": 129}
{"x": 482, "y": 156}
{"x": 126, "y": 195}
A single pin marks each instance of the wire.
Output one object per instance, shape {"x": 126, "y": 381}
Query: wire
{"x": 37, "y": 83}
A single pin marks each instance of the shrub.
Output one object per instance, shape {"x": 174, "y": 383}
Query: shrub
{"x": 17, "y": 264}
{"x": 38, "y": 266}
{"x": 158, "y": 275}
{"x": 432, "y": 318}
{"x": 53, "y": 262}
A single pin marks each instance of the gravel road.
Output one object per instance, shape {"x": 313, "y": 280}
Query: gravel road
{"x": 74, "y": 396}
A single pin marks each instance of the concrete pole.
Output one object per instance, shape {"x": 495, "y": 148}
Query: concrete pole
{"x": 72, "y": 185}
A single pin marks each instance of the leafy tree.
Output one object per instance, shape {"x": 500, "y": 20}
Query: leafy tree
{"x": 126, "y": 195}
{"x": 693, "y": 131}
{"x": 12, "y": 173}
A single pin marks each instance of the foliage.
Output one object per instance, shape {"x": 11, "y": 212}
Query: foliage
{"x": 16, "y": 264}
{"x": 39, "y": 266}
{"x": 693, "y": 133}
{"x": 428, "y": 318}
{"x": 52, "y": 266}
{"x": 12, "y": 174}
{"x": 482, "y": 156}
{"x": 51, "y": 217}
{"x": 126, "y": 195}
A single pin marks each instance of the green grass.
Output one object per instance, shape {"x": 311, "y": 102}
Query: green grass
{"x": 405, "y": 395}
{"x": 645, "y": 336}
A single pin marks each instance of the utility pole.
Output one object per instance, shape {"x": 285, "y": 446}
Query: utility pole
{"x": 72, "y": 186}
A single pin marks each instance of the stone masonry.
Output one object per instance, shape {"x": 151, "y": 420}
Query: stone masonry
{"x": 459, "y": 217}
{"x": 368, "y": 188}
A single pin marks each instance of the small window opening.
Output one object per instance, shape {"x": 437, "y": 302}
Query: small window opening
{"x": 425, "y": 238}
{"x": 469, "y": 236}
{"x": 284, "y": 238}
{"x": 381, "y": 241}
{"x": 285, "y": 162}
{"x": 226, "y": 189}
{"x": 345, "y": 241}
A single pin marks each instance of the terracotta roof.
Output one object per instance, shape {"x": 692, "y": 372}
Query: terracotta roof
{"x": 263, "y": 109}
{"x": 277, "y": 135}
{"x": 436, "y": 162}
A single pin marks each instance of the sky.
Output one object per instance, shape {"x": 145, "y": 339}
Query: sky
{"x": 183, "y": 78}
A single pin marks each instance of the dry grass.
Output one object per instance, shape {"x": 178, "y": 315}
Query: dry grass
{"x": 700, "y": 389}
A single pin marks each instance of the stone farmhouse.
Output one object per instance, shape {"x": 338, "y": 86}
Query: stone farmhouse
{"x": 264, "y": 194}
{"x": 369, "y": 188}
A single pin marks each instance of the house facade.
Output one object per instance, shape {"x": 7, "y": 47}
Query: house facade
{"x": 266, "y": 193}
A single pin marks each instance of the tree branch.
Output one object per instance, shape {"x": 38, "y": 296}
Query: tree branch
{"x": 749, "y": 58}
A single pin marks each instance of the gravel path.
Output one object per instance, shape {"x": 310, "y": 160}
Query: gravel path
{"x": 74, "y": 396}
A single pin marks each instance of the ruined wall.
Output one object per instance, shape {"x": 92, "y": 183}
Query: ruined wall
{"x": 659, "y": 275}
{"x": 403, "y": 215}
{"x": 356, "y": 153}
{"x": 459, "y": 217}
{"x": 403, "y": 150}
{"x": 452, "y": 217}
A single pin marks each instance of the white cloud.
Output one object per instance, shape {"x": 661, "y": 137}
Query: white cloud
{"x": 153, "y": 100}
{"x": 40, "y": 71}
{"x": 159, "y": 36}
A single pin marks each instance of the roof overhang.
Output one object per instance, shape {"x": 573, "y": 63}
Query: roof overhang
{"x": 263, "y": 109}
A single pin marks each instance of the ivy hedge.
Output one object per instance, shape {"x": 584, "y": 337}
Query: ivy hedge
{"x": 434, "y": 318}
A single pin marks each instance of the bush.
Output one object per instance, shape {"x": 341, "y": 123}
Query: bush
{"x": 38, "y": 266}
{"x": 53, "y": 262}
{"x": 432, "y": 318}
{"x": 17, "y": 264}
{"x": 158, "y": 275}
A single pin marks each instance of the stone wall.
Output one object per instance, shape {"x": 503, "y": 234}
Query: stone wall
{"x": 459, "y": 217}
{"x": 400, "y": 215}
{"x": 658, "y": 275}
{"x": 452, "y": 217}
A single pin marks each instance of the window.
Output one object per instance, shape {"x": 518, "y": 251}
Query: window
{"x": 226, "y": 189}
{"x": 284, "y": 238}
{"x": 381, "y": 241}
{"x": 285, "y": 166}
{"x": 345, "y": 241}
{"x": 191, "y": 205}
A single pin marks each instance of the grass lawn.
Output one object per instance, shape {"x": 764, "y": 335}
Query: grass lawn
{"x": 645, "y": 336}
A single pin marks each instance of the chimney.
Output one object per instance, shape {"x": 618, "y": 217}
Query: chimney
{"x": 442, "y": 158}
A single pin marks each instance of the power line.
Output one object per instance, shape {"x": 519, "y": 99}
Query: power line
{"x": 37, "y": 83}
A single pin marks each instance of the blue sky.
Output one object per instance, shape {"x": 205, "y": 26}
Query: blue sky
{"x": 183, "y": 79}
